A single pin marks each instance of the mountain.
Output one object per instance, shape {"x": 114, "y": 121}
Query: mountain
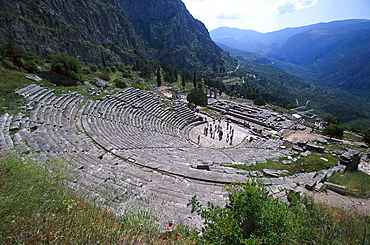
{"x": 88, "y": 29}
{"x": 172, "y": 34}
{"x": 335, "y": 53}
{"x": 262, "y": 78}
{"x": 114, "y": 30}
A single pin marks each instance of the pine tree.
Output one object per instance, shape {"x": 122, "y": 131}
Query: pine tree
{"x": 183, "y": 82}
{"x": 195, "y": 80}
{"x": 159, "y": 81}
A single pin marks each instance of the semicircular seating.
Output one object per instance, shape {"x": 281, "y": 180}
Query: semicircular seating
{"x": 129, "y": 148}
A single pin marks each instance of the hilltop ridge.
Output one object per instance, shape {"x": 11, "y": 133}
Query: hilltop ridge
{"x": 335, "y": 53}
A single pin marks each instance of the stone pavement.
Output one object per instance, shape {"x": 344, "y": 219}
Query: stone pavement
{"x": 239, "y": 135}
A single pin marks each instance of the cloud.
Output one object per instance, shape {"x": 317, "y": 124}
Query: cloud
{"x": 287, "y": 6}
{"x": 228, "y": 16}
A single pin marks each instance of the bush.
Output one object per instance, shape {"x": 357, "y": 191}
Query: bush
{"x": 113, "y": 69}
{"x": 137, "y": 85}
{"x": 65, "y": 65}
{"x": 367, "y": 136}
{"x": 94, "y": 68}
{"x": 104, "y": 75}
{"x": 259, "y": 101}
{"x": 119, "y": 83}
{"x": 330, "y": 119}
{"x": 251, "y": 216}
{"x": 197, "y": 96}
{"x": 30, "y": 66}
{"x": 334, "y": 130}
{"x": 126, "y": 74}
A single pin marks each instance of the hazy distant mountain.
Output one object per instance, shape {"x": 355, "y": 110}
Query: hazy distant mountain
{"x": 338, "y": 52}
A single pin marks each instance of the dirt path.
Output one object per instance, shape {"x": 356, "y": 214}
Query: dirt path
{"x": 330, "y": 198}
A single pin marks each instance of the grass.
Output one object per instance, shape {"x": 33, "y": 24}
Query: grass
{"x": 353, "y": 137}
{"x": 356, "y": 181}
{"x": 310, "y": 163}
{"x": 36, "y": 208}
{"x": 9, "y": 82}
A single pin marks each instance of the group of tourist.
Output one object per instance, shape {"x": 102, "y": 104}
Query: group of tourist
{"x": 213, "y": 129}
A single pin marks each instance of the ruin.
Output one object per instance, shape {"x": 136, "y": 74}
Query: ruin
{"x": 130, "y": 150}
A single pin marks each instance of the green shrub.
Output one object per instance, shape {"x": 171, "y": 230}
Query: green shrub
{"x": 30, "y": 66}
{"x": 137, "y": 85}
{"x": 334, "y": 130}
{"x": 119, "y": 83}
{"x": 104, "y": 75}
{"x": 65, "y": 65}
{"x": 259, "y": 101}
{"x": 94, "y": 68}
{"x": 197, "y": 96}
{"x": 113, "y": 69}
{"x": 251, "y": 216}
{"x": 126, "y": 74}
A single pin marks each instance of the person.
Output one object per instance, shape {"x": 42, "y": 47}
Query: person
{"x": 198, "y": 139}
{"x": 220, "y": 134}
{"x": 227, "y": 137}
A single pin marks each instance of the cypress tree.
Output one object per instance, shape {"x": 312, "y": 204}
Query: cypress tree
{"x": 183, "y": 82}
{"x": 195, "y": 81}
{"x": 159, "y": 81}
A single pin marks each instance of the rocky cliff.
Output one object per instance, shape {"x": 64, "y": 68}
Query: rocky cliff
{"x": 89, "y": 28}
{"x": 171, "y": 33}
{"x": 118, "y": 30}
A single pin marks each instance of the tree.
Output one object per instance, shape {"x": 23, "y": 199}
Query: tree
{"x": 259, "y": 101}
{"x": 159, "y": 81}
{"x": 367, "y": 136}
{"x": 330, "y": 119}
{"x": 251, "y": 216}
{"x": 194, "y": 80}
{"x": 65, "y": 65}
{"x": 183, "y": 82}
{"x": 334, "y": 130}
{"x": 197, "y": 96}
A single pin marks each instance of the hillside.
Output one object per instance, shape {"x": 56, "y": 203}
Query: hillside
{"x": 280, "y": 87}
{"x": 113, "y": 31}
{"x": 334, "y": 53}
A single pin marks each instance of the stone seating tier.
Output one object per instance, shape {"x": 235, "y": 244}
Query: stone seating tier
{"x": 128, "y": 147}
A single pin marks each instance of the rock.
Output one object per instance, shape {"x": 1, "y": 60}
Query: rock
{"x": 319, "y": 187}
{"x": 297, "y": 148}
{"x": 305, "y": 154}
{"x": 274, "y": 173}
{"x": 310, "y": 184}
{"x": 34, "y": 77}
{"x": 312, "y": 147}
{"x": 286, "y": 162}
{"x": 100, "y": 83}
{"x": 336, "y": 188}
{"x": 351, "y": 159}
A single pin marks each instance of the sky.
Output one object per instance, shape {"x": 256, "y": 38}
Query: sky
{"x": 271, "y": 15}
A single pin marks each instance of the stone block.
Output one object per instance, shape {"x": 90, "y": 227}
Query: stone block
{"x": 336, "y": 188}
